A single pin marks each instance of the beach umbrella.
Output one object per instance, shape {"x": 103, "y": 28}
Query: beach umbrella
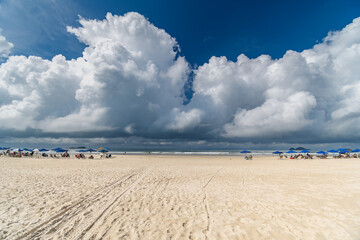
{"x": 43, "y": 150}
{"x": 277, "y": 152}
{"x": 35, "y": 150}
{"x": 321, "y": 152}
{"x": 304, "y": 151}
{"x": 344, "y": 150}
{"x": 61, "y": 150}
{"x": 356, "y": 150}
{"x": 82, "y": 150}
{"x": 103, "y": 150}
{"x": 27, "y": 149}
{"x": 90, "y": 150}
{"x": 56, "y": 149}
{"x": 291, "y": 151}
{"x": 245, "y": 151}
{"x": 17, "y": 150}
{"x": 333, "y": 151}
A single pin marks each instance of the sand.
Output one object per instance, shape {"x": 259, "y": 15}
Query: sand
{"x": 179, "y": 197}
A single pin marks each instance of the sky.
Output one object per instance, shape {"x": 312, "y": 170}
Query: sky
{"x": 179, "y": 74}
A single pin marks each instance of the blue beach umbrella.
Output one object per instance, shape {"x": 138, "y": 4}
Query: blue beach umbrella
{"x": 103, "y": 150}
{"x": 304, "y": 151}
{"x": 277, "y": 152}
{"x": 356, "y": 150}
{"x": 82, "y": 150}
{"x": 18, "y": 150}
{"x": 43, "y": 150}
{"x": 61, "y": 150}
{"x": 333, "y": 151}
{"x": 321, "y": 152}
{"x": 291, "y": 151}
{"x": 90, "y": 150}
{"x": 245, "y": 151}
{"x": 56, "y": 149}
{"x": 344, "y": 150}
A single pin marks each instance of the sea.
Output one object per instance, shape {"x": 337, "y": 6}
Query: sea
{"x": 198, "y": 152}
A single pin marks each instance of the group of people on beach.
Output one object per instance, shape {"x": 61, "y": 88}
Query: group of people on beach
{"x": 32, "y": 154}
{"x": 321, "y": 156}
{"x": 297, "y": 156}
{"x": 19, "y": 154}
{"x": 82, "y": 156}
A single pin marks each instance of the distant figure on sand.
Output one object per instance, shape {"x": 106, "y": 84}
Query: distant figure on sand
{"x": 248, "y": 157}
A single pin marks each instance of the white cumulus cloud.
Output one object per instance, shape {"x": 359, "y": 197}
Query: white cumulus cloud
{"x": 130, "y": 80}
{"x": 129, "y": 75}
{"x": 5, "y": 46}
{"x": 310, "y": 92}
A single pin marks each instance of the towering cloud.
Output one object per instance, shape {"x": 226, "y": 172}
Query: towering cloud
{"x": 130, "y": 81}
{"x": 313, "y": 93}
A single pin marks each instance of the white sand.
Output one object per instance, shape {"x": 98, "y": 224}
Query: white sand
{"x": 179, "y": 197}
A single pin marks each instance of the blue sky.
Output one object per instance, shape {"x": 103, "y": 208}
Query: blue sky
{"x": 202, "y": 28}
{"x": 262, "y": 73}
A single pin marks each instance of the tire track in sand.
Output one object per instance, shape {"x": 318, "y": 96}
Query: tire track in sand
{"x": 89, "y": 224}
{"x": 69, "y": 213}
{"x": 207, "y": 208}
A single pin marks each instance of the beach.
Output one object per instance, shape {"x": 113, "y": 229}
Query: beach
{"x": 179, "y": 197}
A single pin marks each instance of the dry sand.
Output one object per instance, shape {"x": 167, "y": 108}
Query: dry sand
{"x": 179, "y": 197}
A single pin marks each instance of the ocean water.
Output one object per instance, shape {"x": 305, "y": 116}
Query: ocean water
{"x": 204, "y": 152}
{"x": 197, "y": 152}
